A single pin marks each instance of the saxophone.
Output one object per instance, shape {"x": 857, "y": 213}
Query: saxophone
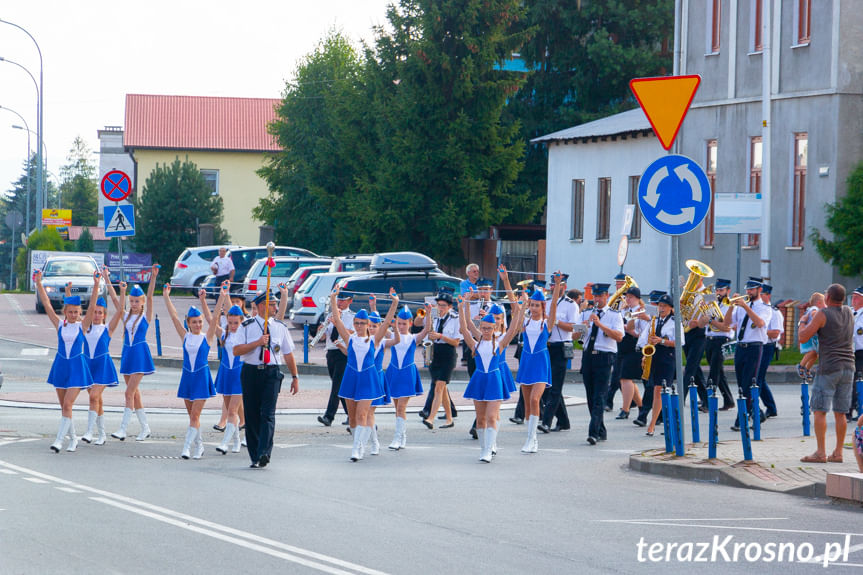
{"x": 647, "y": 352}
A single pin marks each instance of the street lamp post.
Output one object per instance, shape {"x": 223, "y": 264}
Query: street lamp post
{"x": 27, "y": 208}
{"x": 39, "y": 125}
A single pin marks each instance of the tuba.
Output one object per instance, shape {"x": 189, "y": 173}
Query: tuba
{"x": 616, "y": 300}
{"x": 690, "y": 296}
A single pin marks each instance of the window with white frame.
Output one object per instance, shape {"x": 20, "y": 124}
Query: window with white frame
{"x": 756, "y": 32}
{"x": 635, "y": 231}
{"x": 798, "y": 194}
{"x": 577, "y": 232}
{"x": 212, "y": 179}
{"x": 603, "y": 208}
{"x": 802, "y": 21}
{"x": 714, "y": 26}
{"x": 755, "y": 163}
{"x": 708, "y": 236}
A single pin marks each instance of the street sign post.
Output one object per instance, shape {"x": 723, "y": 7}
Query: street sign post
{"x": 116, "y": 185}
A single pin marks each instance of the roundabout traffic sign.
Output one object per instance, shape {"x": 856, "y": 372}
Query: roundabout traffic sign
{"x": 116, "y": 186}
{"x": 674, "y": 195}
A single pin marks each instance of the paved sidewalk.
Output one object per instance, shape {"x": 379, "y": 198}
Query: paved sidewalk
{"x": 776, "y": 466}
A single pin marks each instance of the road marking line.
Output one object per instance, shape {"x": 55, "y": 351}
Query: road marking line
{"x": 820, "y": 558}
{"x": 34, "y": 480}
{"x": 184, "y": 520}
{"x": 34, "y": 351}
{"x": 19, "y": 310}
{"x": 695, "y": 519}
{"x": 67, "y": 489}
{"x": 770, "y": 529}
{"x": 8, "y": 472}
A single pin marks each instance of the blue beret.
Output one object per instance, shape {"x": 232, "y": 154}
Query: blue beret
{"x": 362, "y": 314}
{"x": 136, "y": 291}
{"x": 101, "y": 302}
{"x": 488, "y": 319}
{"x": 538, "y": 296}
{"x": 375, "y": 317}
{"x": 236, "y": 310}
{"x": 72, "y": 300}
{"x": 495, "y": 310}
{"x": 193, "y": 312}
{"x": 405, "y": 313}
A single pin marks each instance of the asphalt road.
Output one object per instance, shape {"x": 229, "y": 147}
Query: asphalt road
{"x": 130, "y": 507}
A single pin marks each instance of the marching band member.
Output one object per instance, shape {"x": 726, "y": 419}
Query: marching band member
{"x": 375, "y": 323}
{"x": 135, "y": 360}
{"x": 693, "y": 351}
{"x": 479, "y": 308}
{"x": 534, "y": 367}
{"x": 775, "y": 329}
{"x": 196, "y": 382}
{"x": 598, "y": 358}
{"x": 228, "y": 381}
{"x": 715, "y": 339}
{"x": 643, "y": 323}
{"x": 628, "y": 358}
{"x": 402, "y": 376}
{"x": 614, "y": 386}
{"x": 662, "y": 368}
{"x": 337, "y": 360}
{"x": 857, "y": 306}
{"x": 69, "y": 372}
{"x": 97, "y": 340}
{"x": 361, "y": 383}
{"x": 237, "y": 301}
{"x": 445, "y": 337}
{"x": 486, "y": 386}
{"x": 560, "y": 351}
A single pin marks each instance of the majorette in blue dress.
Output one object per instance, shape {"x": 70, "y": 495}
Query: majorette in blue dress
{"x": 228, "y": 377}
{"x": 379, "y": 367}
{"x": 402, "y": 375}
{"x": 534, "y": 365}
{"x": 361, "y": 381}
{"x": 136, "y": 356}
{"x": 70, "y": 368}
{"x": 96, "y": 344}
{"x": 505, "y": 371}
{"x": 196, "y": 381}
{"x": 486, "y": 383}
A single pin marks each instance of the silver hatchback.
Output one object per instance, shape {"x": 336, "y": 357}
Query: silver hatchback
{"x": 61, "y": 270}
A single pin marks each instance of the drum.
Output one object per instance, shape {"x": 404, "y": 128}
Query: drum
{"x": 728, "y": 349}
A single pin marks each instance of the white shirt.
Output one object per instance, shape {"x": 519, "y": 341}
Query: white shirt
{"x": 567, "y": 312}
{"x": 69, "y": 332}
{"x": 667, "y": 331}
{"x": 92, "y": 337}
{"x": 228, "y": 343}
{"x": 224, "y": 265}
{"x": 753, "y": 334}
{"x": 192, "y": 343}
{"x": 610, "y": 319}
{"x": 479, "y": 307}
{"x": 858, "y": 329}
{"x": 347, "y": 319}
{"x": 280, "y": 340}
{"x": 450, "y": 327}
{"x": 777, "y": 321}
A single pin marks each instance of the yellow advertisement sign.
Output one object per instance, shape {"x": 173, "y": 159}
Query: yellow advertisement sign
{"x": 60, "y": 219}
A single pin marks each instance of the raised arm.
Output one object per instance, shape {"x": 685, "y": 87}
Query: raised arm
{"x": 283, "y": 302}
{"x": 214, "y": 319}
{"x": 106, "y": 276}
{"x": 344, "y": 333}
{"x": 172, "y": 311}
{"x": 504, "y": 276}
{"x": 463, "y": 307}
{"x": 552, "y": 312}
{"x": 382, "y": 331}
{"x": 205, "y": 308}
{"x": 151, "y": 289}
{"x": 512, "y": 330}
{"x": 373, "y": 303}
{"x": 426, "y": 324}
{"x": 43, "y": 297}
{"x": 472, "y": 329}
{"x": 91, "y": 309}
{"x": 119, "y": 307}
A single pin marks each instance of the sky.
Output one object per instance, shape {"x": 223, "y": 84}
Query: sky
{"x": 96, "y": 51}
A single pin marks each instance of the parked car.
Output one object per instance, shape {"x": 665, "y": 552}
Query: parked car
{"x": 243, "y": 259}
{"x": 310, "y": 300}
{"x": 60, "y": 270}
{"x": 285, "y": 267}
{"x": 351, "y": 263}
{"x": 193, "y": 265}
{"x": 300, "y": 276}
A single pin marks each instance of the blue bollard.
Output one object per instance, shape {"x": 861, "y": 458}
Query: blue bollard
{"x": 755, "y": 393}
{"x": 858, "y": 383}
{"x": 743, "y": 422}
{"x": 676, "y": 414}
{"x": 666, "y": 408}
{"x": 713, "y": 421}
{"x": 804, "y": 398}
{"x": 305, "y": 343}
{"x": 158, "y": 337}
{"x": 693, "y": 410}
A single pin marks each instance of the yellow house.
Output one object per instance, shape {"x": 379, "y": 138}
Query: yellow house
{"x": 225, "y": 137}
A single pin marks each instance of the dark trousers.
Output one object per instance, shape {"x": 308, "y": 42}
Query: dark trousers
{"x": 646, "y": 400}
{"x": 554, "y": 404}
{"x": 336, "y": 364}
{"x": 694, "y": 349}
{"x": 430, "y": 398}
{"x": 596, "y": 371}
{"x": 519, "y": 407}
{"x": 746, "y": 362}
{"x": 614, "y": 387}
{"x": 260, "y": 393}
{"x": 764, "y": 390}
{"x": 713, "y": 350}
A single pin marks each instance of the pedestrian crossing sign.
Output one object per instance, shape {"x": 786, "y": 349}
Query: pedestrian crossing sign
{"x": 119, "y": 221}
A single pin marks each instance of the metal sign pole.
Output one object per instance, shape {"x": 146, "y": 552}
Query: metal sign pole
{"x": 678, "y": 334}
{"x": 120, "y": 249}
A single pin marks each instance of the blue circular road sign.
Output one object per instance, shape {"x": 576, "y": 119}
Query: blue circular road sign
{"x": 674, "y": 195}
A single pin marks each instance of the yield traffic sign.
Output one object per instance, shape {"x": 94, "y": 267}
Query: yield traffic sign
{"x": 674, "y": 195}
{"x": 665, "y": 101}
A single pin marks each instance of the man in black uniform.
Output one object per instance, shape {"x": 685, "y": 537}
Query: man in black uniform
{"x": 714, "y": 340}
{"x": 265, "y": 347}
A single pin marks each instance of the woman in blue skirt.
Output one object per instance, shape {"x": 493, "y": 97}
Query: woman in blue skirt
{"x": 136, "y": 361}
{"x": 97, "y": 340}
{"x": 486, "y": 386}
{"x": 196, "y": 383}
{"x": 402, "y": 376}
{"x": 69, "y": 372}
{"x": 534, "y": 368}
{"x": 361, "y": 383}
{"x": 228, "y": 383}
{"x": 375, "y": 323}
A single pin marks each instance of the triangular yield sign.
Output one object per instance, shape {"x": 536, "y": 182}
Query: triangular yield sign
{"x": 665, "y": 101}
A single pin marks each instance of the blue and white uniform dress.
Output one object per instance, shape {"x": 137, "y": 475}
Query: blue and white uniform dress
{"x": 96, "y": 342}
{"x": 505, "y": 371}
{"x": 486, "y": 383}
{"x": 361, "y": 380}
{"x": 402, "y": 375}
{"x": 534, "y": 365}
{"x": 70, "y": 368}
{"x": 196, "y": 381}
{"x": 136, "y": 356}
{"x": 228, "y": 377}
{"x": 379, "y": 367}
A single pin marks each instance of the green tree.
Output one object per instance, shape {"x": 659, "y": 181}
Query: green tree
{"x": 47, "y": 239}
{"x": 85, "y": 241}
{"x": 79, "y": 190}
{"x": 173, "y": 198}
{"x": 845, "y": 222}
{"x": 15, "y": 198}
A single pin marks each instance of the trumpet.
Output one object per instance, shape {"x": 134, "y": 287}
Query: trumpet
{"x": 741, "y": 298}
{"x": 616, "y": 300}
{"x": 647, "y": 352}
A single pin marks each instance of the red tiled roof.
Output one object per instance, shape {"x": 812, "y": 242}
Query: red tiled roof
{"x": 97, "y": 232}
{"x": 199, "y": 123}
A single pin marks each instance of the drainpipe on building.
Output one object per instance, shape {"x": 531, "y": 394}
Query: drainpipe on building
{"x": 766, "y": 129}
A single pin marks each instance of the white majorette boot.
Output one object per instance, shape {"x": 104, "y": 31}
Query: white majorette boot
{"x": 490, "y": 439}
{"x": 229, "y": 435}
{"x": 357, "y": 449}
{"x": 187, "y": 446}
{"x": 199, "y": 445}
{"x": 145, "y": 429}
{"x": 73, "y": 438}
{"x": 376, "y": 445}
{"x": 531, "y": 445}
{"x": 121, "y": 433}
{"x": 65, "y": 422}
{"x": 91, "y": 427}
{"x": 480, "y": 434}
{"x": 397, "y": 436}
{"x": 100, "y": 426}
{"x": 237, "y": 441}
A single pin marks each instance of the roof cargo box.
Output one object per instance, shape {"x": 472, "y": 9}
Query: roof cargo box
{"x": 402, "y": 261}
